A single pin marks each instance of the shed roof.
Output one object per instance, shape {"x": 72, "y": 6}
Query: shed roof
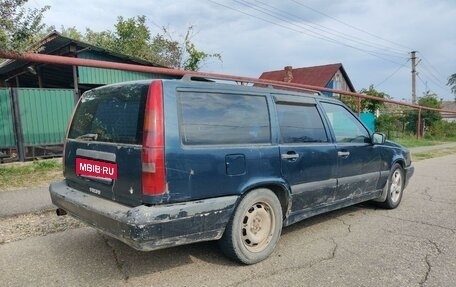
{"x": 55, "y": 75}
{"x": 317, "y": 75}
{"x": 54, "y": 42}
{"x": 450, "y": 106}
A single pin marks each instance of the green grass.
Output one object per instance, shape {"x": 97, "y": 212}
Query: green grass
{"x": 422, "y": 156}
{"x": 412, "y": 141}
{"x": 30, "y": 167}
{"x": 29, "y": 174}
{"x": 433, "y": 154}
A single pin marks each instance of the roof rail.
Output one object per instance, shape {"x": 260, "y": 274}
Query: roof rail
{"x": 244, "y": 81}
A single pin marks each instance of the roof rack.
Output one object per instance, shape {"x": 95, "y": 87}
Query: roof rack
{"x": 243, "y": 81}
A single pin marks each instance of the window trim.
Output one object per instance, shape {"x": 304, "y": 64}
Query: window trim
{"x": 295, "y": 100}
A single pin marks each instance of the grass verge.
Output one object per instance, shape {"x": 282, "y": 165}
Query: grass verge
{"x": 29, "y": 174}
{"x": 433, "y": 153}
{"x": 414, "y": 142}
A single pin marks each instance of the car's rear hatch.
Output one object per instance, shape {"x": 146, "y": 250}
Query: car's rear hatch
{"x": 103, "y": 149}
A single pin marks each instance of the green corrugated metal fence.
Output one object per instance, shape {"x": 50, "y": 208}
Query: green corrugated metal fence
{"x": 44, "y": 114}
{"x": 99, "y": 76}
{"x": 6, "y": 120}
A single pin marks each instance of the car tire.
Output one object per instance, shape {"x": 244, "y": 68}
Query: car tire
{"x": 254, "y": 229}
{"x": 395, "y": 185}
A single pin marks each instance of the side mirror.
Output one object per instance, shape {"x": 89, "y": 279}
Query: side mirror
{"x": 378, "y": 138}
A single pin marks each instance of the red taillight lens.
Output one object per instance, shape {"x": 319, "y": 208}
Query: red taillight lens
{"x": 153, "y": 151}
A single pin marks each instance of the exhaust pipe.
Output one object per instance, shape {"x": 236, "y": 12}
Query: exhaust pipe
{"x": 60, "y": 212}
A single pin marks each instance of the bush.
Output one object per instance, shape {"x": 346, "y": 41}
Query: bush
{"x": 441, "y": 130}
{"x": 391, "y": 125}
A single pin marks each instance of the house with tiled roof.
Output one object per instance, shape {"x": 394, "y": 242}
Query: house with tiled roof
{"x": 449, "y": 106}
{"x": 331, "y": 76}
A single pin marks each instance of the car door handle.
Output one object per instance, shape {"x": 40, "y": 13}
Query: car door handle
{"x": 343, "y": 153}
{"x": 290, "y": 156}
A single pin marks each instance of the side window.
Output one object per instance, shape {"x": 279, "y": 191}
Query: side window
{"x": 347, "y": 128}
{"x": 211, "y": 119}
{"x": 300, "y": 124}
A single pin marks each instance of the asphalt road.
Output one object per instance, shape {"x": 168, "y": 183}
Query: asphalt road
{"x": 414, "y": 245}
{"x": 24, "y": 201}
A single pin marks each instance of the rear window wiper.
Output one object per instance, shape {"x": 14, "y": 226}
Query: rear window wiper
{"x": 88, "y": 137}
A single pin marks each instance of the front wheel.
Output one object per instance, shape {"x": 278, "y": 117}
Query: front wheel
{"x": 253, "y": 231}
{"x": 395, "y": 185}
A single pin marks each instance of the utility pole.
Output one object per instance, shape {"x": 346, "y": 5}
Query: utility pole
{"x": 413, "y": 57}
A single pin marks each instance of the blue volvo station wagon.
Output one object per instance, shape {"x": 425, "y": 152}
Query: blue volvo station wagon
{"x": 162, "y": 163}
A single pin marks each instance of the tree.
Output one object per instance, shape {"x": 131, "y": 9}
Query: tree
{"x": 166, "y": 52}
{"x": 429, "y": 118}
{"x": 367, "y": 105}
{"x": 71, "y": 32}
{"x": 184, "y": 54}
{"x": 194, "y": 57}
{"x": 132, "y": 37}
{"x": 452, "y": 84}
{"x": 373, "y": 105}
{"x": 388, "y": 124}
{"x": 19, "y": 27}
{"x": 430, "y": 100}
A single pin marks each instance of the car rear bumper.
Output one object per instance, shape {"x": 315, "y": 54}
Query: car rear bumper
{"x": 147, "y": 227}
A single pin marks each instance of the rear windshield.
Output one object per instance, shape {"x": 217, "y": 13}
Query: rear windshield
{"x": 111, "y": 114}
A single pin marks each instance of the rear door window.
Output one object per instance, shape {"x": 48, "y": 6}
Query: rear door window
{"x": 300, "y": 124}
{"x": 111, "y": 114}
{"x": 217, "y": 119}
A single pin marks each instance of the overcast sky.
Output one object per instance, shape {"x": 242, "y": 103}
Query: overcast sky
{"x": 371, "y": 38}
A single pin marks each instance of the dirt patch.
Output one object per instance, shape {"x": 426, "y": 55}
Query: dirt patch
{"x": 30, "y": 225}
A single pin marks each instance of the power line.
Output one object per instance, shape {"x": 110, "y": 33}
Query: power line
{"x": 335, "y": 32}
{"x": 429, "y": 63}
{"x": 256, "y": 17}
{"x": 428, "y": 70}
{"x": 436, "y": 85}
{"x": 392, "y": 74}
{"x": 426, "y": 88}
{"x": 425, "y": 73}
{"x": 325, "y": 38}
{"x": 353, "y": 27}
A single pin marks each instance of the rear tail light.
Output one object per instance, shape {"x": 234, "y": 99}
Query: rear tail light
{"x": 153, "y": 151}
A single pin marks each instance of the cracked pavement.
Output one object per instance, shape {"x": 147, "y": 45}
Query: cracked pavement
{"x": 414, "y": 245}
